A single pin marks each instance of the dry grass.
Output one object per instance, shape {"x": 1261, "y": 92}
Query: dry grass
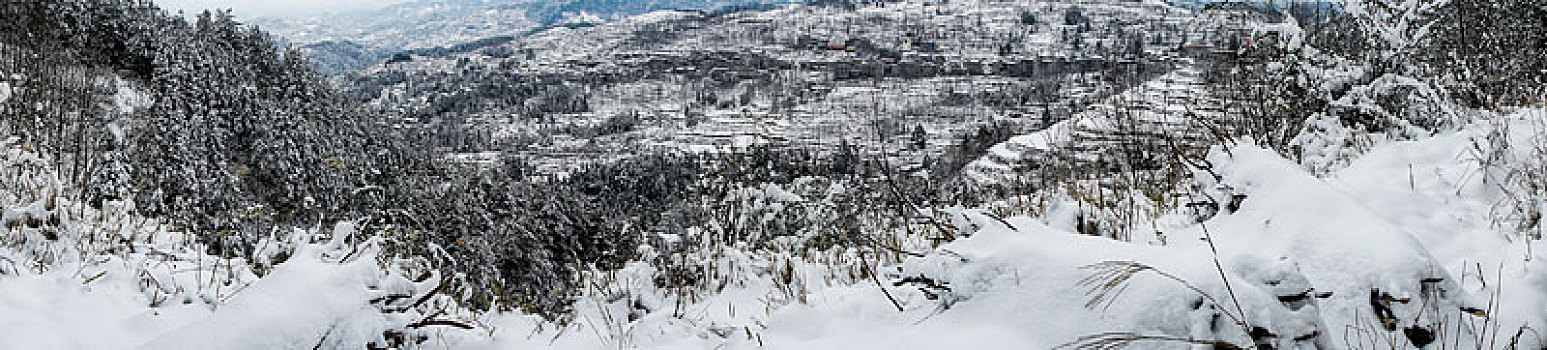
{"x": 1121, "y": 340}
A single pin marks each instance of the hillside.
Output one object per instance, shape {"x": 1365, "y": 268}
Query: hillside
{"x": 797, "y": 76}
{"x": 900, "y": 174}
{"x": 344, "y": 42}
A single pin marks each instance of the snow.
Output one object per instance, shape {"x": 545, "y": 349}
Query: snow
{"x": 582, "y": 18}
{"x": 59, "y": 312}
{"x": 1344, "y": 234}
{"x": 128, "y": 98}
{"x": 293, "y": 307}
{"x": 1449, "y": 207}
{"x": 111, "y": 280}
{"x": 307, "y": 300}
{"x": 1165, "y": 104}
{"x": 1339, "y": 236}
{"x": 1394, "y": 215}
{"x": 1422, "y": 220}
{"x": 89, "y": 295}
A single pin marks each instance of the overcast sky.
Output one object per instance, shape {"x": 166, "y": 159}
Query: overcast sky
{"x": 262, "y": 8}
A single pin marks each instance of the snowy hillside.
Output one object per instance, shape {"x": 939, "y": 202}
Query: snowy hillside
{"x": 799, "y": 76}
{"x": 835, "y": 174}
{"x": 344, "y": 42}
{"x": 1304, "y": 257}
{"x": 1168, "y": 108}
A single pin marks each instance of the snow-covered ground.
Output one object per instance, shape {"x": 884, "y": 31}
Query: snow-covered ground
{"x": 1412, "y": 226}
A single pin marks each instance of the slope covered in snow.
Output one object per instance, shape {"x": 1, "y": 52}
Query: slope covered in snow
{"x": 1267, "y": 195}
{"x": 1408, "y": 226}
{"x": 76, "y": 277}
{"x": 1168, "y": 109}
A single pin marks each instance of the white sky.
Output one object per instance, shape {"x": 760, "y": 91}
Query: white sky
{"x": 272, "y": 8}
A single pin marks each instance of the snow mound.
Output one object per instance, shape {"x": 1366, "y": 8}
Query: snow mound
{"x": 303, "y": 303}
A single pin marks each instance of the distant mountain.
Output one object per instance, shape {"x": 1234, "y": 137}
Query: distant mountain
{"x": 554, "y": 12}
{"x": 348, "y": 41}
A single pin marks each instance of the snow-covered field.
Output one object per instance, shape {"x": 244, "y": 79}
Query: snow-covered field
{"x": 1413, "y": 226}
